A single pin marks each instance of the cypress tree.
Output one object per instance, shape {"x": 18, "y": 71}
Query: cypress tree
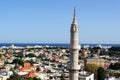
{"x": 101, "y": 74}
{"x": 63, "y": 77}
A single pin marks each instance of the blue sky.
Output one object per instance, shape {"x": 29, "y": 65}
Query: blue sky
{"x": 49, "y": 21}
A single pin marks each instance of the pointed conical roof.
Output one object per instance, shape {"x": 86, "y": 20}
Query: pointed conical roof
{"x": 74, "y": 18}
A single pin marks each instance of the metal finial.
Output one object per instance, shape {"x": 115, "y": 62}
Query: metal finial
{"x": 74, "y": 12}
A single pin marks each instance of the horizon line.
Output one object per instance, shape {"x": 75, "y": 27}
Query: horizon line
{"x": 48, "y": 43}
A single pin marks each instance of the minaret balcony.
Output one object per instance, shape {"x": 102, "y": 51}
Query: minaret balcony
{"x": 74, "y": 47}
{"x": 76, "y": 67}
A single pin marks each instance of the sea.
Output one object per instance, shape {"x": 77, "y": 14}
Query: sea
{"x": 53, "y": 44}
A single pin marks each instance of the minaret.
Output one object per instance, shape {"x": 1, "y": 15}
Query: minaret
{"x": 74, "y": 50}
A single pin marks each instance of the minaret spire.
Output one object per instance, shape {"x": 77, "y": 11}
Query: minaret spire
{"x": 74, "y": 17}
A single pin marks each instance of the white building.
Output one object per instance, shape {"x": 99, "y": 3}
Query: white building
{"x": 112, "y": 78}
{"x": 83, "y": 75}
{"x": 5, "y": 75}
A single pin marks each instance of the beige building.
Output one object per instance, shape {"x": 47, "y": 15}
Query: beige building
{"x": 99, "y": 62}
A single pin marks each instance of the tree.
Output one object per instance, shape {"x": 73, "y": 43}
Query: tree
{"x": 38, "y": 69}
{"x": 19, "y": 54}
{"x": 0, "y": 55}
{"x": 15, "y": 77}
{"x": 32, "y": 79}
{"x": 67, "y": 51}
{"x": 63, "y": 77}
{"x": 31, "y": 55}
{"x": 101, "y": 74}
{"x": 92, "y": 68}
{"x": 81, "y": 57}
{"x": 114, "y": 49}
{"x": 18, "y": 61}
{"x": 115, "y": 66}
{"x": 36, "y": 79}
